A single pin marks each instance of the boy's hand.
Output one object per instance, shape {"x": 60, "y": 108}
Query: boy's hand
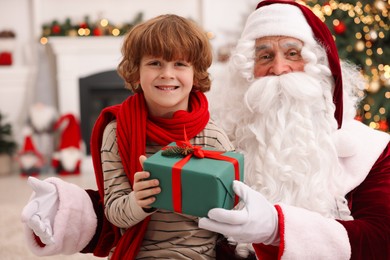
{"x": 144, "y": 189}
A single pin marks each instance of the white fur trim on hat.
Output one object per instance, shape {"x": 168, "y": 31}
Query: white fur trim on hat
{"x": 278, "y": 20}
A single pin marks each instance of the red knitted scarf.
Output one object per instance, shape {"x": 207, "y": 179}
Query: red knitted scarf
{"x": 134, "y": 126}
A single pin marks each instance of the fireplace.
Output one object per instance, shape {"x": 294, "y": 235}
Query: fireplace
{"x": 98, "y": 91}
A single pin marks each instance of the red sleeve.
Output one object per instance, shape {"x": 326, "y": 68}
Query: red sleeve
{"x": 269, "y": 252}
{"x": 369, "y": 232}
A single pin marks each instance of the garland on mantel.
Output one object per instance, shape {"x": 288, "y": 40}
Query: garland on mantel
{"x": 86, "y": 28}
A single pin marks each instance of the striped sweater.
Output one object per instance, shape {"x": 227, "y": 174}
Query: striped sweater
{"x": 169, "y": 235}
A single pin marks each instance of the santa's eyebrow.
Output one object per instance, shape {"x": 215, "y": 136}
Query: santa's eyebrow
{"x": 263, "y": 46}
{"x": 288, "y": 44}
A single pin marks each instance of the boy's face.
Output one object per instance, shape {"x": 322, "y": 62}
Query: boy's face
{"x": 166, "y": 85}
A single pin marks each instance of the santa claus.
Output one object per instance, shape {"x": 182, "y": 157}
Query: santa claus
{"x": 316, "y": 181}
{"x": 41, "y": 119}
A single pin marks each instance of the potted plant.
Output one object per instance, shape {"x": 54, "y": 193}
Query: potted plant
{"x": 7, "y": 146}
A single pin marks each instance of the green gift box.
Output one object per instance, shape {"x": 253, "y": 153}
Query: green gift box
{"x": 199, "y": 185}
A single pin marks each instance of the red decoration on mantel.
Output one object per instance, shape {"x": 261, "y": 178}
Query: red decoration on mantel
{"x": 97, "y": 32}
{"x": 56, "y": 29}
{"x": 5, "y": 58}
{"x": 83, "y": 25}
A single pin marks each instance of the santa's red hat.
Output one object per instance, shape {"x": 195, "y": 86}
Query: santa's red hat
{"x": 288, "y": 18}
{"x": 71, "y": 133}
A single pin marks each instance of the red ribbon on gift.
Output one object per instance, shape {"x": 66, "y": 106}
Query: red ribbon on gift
{"x": 198, "y": 152}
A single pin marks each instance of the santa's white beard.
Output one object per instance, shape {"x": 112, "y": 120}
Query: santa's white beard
{"x": 285, "y": 134}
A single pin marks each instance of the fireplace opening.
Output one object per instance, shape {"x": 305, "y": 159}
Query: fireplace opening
{"x": 98, "y": 91}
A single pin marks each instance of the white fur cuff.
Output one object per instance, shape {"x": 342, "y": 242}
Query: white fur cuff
{"x": 74, "y": 224}
{"x": 308, "y": 235}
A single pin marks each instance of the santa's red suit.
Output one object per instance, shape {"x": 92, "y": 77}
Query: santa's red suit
{"x": 361, "y": 232}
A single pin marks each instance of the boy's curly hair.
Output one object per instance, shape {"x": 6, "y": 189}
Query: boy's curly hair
{"x": 170, "y": 37}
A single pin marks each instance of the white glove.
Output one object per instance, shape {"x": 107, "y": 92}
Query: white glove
{"x": 257, "y": 222}
{"x": 40, "y": 211}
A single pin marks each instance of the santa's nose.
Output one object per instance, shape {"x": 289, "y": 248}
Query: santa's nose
{"x": 279, "y": 66}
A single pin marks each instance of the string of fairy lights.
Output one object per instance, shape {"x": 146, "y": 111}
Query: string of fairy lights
{"x": 86, "y": 28}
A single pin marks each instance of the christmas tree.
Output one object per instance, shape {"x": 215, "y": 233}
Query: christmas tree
{"x": 361, "y": 32}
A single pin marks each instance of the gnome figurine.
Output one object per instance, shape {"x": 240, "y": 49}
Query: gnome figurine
{"x": 42, "y": 118}
{"x": 30, "y": 160}
{"x": 67, "y": 158}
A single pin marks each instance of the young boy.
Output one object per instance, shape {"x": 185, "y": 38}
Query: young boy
{"x": 165, "y": 62}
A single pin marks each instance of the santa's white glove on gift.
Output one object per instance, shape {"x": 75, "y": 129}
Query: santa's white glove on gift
{"x": 257, "y": 222}
{"x": 40, "y": 211}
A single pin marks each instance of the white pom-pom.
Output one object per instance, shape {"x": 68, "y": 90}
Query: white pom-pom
{"x": 344, "y": 143}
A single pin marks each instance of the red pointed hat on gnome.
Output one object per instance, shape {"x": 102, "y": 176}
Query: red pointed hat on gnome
{"x": 71, "y": 134}
{"x": 28, "y": 146}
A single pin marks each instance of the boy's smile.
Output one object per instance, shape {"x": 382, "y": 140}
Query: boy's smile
{"x": 166, "y": 85}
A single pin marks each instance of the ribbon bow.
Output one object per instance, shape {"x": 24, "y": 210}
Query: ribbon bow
{"x": 184, "y": 148}
{"x": 187, "y": 150}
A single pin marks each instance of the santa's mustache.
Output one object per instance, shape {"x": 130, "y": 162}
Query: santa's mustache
{"x": 269, "y": 91}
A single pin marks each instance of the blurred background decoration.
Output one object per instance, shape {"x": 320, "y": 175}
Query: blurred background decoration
{"x": 101, "y": 27}
{"x": 7, "y": 44}
{"x": 8, "y": 146}
{"x": 361, "y": 32}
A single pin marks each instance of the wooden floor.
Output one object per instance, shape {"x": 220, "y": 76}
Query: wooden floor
{"x": 14, "y": 194}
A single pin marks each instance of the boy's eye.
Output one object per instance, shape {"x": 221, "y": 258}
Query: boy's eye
{"x": 154, "y": 63}
{"x": 181, "y": 63}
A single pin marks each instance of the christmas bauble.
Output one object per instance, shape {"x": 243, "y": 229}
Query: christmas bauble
{"x": 339, "y": 28}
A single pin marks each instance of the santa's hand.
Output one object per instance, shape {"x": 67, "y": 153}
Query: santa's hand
{"x": 40, "y": 211}
{"x": 257, "y": 222}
